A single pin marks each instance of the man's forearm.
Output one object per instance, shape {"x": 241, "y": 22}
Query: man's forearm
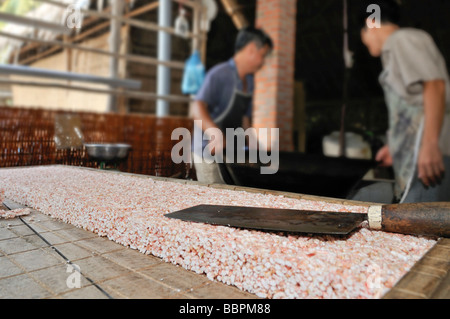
{"x": 199, "y": 112}
{"x": 434, "y": 109}
{"x": 430, "y": 162}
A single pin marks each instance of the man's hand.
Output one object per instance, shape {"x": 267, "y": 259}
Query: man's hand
{"x": 431, "y": 165}
{"x": 384, "y": 157}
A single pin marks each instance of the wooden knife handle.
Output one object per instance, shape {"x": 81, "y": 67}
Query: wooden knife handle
{"x": 431, "y": 219}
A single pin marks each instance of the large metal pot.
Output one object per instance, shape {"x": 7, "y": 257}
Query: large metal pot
{"x": 107, "y": 152}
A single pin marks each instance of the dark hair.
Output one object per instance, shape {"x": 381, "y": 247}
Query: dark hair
{"x": 251, "y": 34}
{"x": 390, "y": 12}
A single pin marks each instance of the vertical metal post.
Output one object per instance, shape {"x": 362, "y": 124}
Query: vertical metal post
{"x": 342, "y": 135}
{"x": 164, "y": 54}
{"x": 114, "y": 45}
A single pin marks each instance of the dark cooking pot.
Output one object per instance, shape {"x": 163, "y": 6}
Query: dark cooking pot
{"x": 107, "y": 152}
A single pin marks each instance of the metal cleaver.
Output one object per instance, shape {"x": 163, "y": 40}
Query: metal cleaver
{"x": 430, "y": 219}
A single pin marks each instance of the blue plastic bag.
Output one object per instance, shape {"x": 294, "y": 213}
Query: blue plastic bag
{"x": 194, "y": 74}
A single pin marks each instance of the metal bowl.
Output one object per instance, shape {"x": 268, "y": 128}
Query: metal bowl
{"x": 107, "y": 152}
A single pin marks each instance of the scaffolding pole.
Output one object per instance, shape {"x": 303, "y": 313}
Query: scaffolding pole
{"x": 114, "y": 46}
{"x": 164, "y": 54}
{"x": 70, "y": 76}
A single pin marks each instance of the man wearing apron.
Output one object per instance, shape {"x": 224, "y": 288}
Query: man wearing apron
{"x": 225, "y": 99}
{"x": 417, "y": 92}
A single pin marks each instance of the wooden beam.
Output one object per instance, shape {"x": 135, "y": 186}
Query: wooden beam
{"x": 234, "y": 11}
{"x": 148, "y": 7}
{"x": 190, "y": 3}
{"x": 40, "y": 55}
{"x": 68, "y": 56}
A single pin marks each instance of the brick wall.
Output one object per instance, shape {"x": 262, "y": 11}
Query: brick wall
{"x": 274, "y": 95}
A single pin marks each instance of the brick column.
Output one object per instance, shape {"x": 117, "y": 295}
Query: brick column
{"x": 274, "y": 93}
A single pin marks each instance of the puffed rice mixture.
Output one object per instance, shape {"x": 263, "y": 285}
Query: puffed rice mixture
{"x": 130, "y": 210}
{"x": 10, "y": 214}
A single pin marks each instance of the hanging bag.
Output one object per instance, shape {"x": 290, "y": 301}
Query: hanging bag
{"x": 194, "y": 74}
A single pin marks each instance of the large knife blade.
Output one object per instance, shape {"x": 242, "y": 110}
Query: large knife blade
{"x": 272, "y": 219}
{"x": 432, "y": 219}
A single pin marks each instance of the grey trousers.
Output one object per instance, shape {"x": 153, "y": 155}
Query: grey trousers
{"x": 378, "y": 192}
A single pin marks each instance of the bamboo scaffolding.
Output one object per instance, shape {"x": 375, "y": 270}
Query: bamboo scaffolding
{"x": 70, "y": 43}
{"x": 87, "y": 33}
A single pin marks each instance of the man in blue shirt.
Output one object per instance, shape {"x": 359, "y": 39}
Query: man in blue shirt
{"x": 225, "y": 99}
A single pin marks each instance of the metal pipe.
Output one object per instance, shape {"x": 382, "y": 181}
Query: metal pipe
{"x": 114, "y": 47}
{"x": 118, "y": 92}
{"x": 164, "y": 54}
{"x": 78, "y": 77}
{"x": 11, "y": 18}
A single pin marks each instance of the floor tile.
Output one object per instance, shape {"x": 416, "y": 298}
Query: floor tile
{"x": 214, "y": 290}
{"x": 175, "y": 277}
{"x": 8, "y": 268}
{"x": 36, "y": 259}
{"x": 73, "y": 252}
{"x": 22, "y": 287}
{"x": 89, "y": 292}
{"x": 132, "y": 259}
{"x": 6, "y": 233}
{"x": 100, "y": 245}
{"x": 60, "y": 278}
{"x": 74, "y": 234}
{"x": 98, "y": 268}
{"x": 137, "y": 286}
{"x": 17, "y": 245}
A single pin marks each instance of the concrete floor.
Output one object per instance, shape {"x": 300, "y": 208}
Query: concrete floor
{"x": 35, "y": 266}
